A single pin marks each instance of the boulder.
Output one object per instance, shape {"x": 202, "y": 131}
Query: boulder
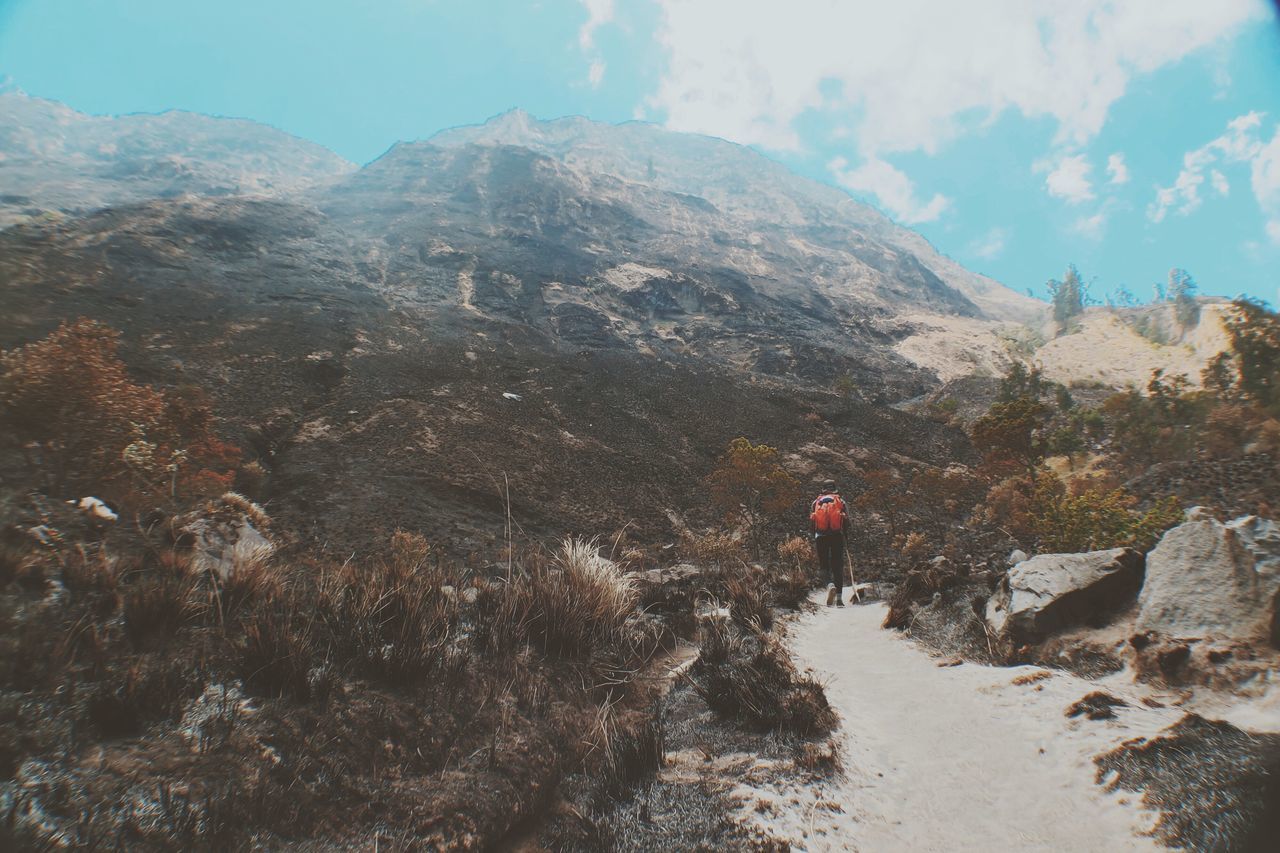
{"x": 1050, "y": 592}
{"x": 1212, "y": 581}
{"x": 223, "y": 535}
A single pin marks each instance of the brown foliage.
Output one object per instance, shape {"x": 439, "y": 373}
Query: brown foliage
{"x": 69, "y": 401}
{"x": 750, "y": 487}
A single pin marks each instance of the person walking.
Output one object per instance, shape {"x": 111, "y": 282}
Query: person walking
{"x": 828, "y": 521}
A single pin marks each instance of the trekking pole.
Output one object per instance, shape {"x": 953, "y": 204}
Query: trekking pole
{"x": 853, "y": 582}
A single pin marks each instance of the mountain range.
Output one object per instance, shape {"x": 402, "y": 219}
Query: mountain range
{"x": 646, "y": 295}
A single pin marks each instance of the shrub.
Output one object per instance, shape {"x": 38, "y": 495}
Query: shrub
{"x": 751, "y": 488}
{"x": 147, "y": 690}
{"x": 1095, "y": 519}
{"x": 155, "y": 607}
{"x": 573, "y": 605}
{"x": 88, "y": 427}
{"x": 750, "y": 677}
{"x": 276, "y": 650}
{"x": 394, "y": 618}
{"x": 1012, "y": 434}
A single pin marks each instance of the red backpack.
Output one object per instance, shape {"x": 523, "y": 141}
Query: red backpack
{"x": 828, "y": 514}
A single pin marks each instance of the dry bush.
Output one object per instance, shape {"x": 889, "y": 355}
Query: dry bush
{"x": 798, "y": 551}
{"x": 90, "y": 429}
{"x": 750, "y": 677}
{"x": 715, "y": 549}
{"x": 913, "y": 546}
{"x": 248, "y": 581}
{"x": 147, "y": 690}
{"x": 277, "y": 649}
{"x": 89, "y": 571}
{"x": 155, "y": 607}
{"x": 746, "y": 592}
{"x": 820, "y": 759}
{"x": 575, "y": 604}
{"x": 395, "y": 618}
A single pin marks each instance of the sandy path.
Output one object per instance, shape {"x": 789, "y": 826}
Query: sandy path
{"x": 952, "y": 758}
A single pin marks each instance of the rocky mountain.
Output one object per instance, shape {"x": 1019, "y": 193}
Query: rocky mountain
{"x": 54, "y": 159}
{"x": 586, "y": 313}
{"x": 838, "y": 236}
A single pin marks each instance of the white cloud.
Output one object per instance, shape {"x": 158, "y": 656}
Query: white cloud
{"x": 1069, "y": 179}
{"x": 1220, "y": 183}
{"x": 895, "y": 191}
{"x": 914, "y": 73}
{"x": 990, "y": 245}
{"x": 1273, "y": 232}
{"x": 1090, "y": 227}
{"x": 1242, "y": 143}
{"x": 1117, "y": 169}
{"x": 599, "y": 13}
{"x": 595, "y": 74}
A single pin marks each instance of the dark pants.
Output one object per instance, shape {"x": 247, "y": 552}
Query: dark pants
{"x": 830, "y": 548}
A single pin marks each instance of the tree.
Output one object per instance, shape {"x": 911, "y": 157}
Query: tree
{"x": 1068, "y": 296}
{"x": 86, "y": 426}
{"x": 884, "y": 494}
{"x": 1254, "y": 332}
{"x": 1012, "y": 433}
{"x": 1020, "y": 382}
{"x": 750, "y": 487}
{"x": 1182, "y": 293}
{"x": 1123, "y": 297}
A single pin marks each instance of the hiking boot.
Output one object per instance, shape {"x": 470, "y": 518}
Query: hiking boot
{"x": 840, "y": 601}
{"x": 831, "y": 595}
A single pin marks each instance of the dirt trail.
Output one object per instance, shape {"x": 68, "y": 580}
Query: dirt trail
{"x": 952, "y": 758}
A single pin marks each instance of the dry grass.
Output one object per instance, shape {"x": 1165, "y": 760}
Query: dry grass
{"x": 394, "y": 619}
{"x": 155, "y": 607}
{"x": 750, "y": 677}
{"x": 573, "y": 605}
{"x": 276, "y": 651}
{"x": 1031, "y": 677}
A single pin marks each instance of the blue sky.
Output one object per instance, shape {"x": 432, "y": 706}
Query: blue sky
{"x": 1126, "y": 137}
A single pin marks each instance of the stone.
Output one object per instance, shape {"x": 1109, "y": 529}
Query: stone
{"x": 1050, "y": 592}
{"x": 223, "y": 535}
{"x": 1212, "y": 581}
{"x": 1017, "y": 556}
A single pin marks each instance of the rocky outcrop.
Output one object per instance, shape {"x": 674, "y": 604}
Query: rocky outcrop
{"x": 1209, "y": 580}
{"x": 1053, "y": 591}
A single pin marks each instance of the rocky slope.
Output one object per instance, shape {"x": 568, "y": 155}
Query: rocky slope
{"x": 56, "y": 160}
{"x": 359, "y": 335}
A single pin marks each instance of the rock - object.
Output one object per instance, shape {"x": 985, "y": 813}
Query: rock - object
{"x": 225, "y": 535}
{"x": 1050, "y": 592}
{"x": 1212, "y": 581}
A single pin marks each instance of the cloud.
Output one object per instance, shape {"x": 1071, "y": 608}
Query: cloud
{"x": 914, "y": 74}
{"x": 1242, "y": 143}
{"x": 990, "y": 245}
{"x": 1117, "y": 170}
{"x": 1220, "y": 183}
{"x": 1273, "y": 233}
{"x": 599, "y": 13}
{"x": 1069, "y": 179}
{"x": 1091, "y": 227}
{"x": 895, "y": 192}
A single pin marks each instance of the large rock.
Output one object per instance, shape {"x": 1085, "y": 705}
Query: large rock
{"x": 223, "y": 535}
{"x": 1053, "y": 591}
{"x": 1212, "y": 581}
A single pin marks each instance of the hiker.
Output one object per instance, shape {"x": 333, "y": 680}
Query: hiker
{"x": 828, "y": 521}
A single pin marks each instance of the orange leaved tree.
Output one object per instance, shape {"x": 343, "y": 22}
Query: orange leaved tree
{"x": 87, "y": 427}
{"x": 751, "y": 487}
